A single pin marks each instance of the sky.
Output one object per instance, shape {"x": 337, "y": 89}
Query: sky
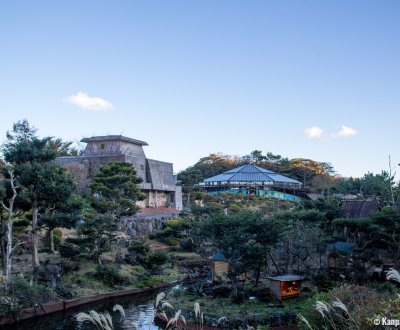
{"x": 312, "y": 79}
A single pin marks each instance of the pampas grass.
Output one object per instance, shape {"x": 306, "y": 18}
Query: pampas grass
{"x": 120, "y": 309}
{"x": 101, "y": 320}
{"x": 335, "y": 316}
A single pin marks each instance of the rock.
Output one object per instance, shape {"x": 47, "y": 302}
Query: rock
{"x": 48, "y": 274}
{"x": 64, "y": 292}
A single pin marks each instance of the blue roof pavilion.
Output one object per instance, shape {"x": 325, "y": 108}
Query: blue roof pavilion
{"x": 218, "y": 256}
{"x": 250, "y": 179}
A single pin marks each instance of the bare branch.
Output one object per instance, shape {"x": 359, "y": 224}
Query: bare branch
{"x": 18, "y": 243}
{"x": 4, "y": 206}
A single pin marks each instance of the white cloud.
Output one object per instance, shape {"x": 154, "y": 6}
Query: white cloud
{"x": 346, "y": 132}
{"x": 314, "y": 132}
{"x": 82, "y": 100}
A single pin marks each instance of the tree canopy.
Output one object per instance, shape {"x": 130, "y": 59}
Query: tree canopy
{"x": 43, "y": 182}
{"x": 115, "y": 190}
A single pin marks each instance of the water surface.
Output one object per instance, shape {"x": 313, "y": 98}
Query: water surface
{"x": 139, "y": 312}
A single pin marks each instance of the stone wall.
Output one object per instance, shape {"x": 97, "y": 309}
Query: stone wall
{"x": 144, "y": 225}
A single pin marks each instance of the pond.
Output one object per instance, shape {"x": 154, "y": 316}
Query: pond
{"x": 138, "y": 309}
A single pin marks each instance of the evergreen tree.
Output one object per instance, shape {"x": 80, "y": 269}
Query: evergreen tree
{"x": 63, "y": 213}
{"x": 115, "y": 190}
{"x": 98, "y": 234}
{"x": 44, "y": 182}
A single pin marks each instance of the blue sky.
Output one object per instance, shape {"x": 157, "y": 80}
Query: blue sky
{"x": 313, "y": 79}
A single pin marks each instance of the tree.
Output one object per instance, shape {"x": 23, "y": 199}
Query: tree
{"x": 188, "y": 179}
{"x": 114, "y": 193}
{"x": 389, "y": 219}
{"x": 214, "y": 164}
{"x": 115, "y": 190}
{"x": 3, "y": 240}
{"x": 98, "y": 233}
{"x": 377, "y": 185}
{"x": 62, "y": 148}
{"x": 370, "y": 185}
{"x": 257, "y": 156}
{"x": 10, "y": 210}
{"x": 244, "y": 238}
{"x": 31, "y": 158}
{"x": 65, "y": 212}
{"x": 306, "y": 169}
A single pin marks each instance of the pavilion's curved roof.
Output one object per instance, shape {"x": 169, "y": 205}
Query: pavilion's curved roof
{"x": 251, "y": 173}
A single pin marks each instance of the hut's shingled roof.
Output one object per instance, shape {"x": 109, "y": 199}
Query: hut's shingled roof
{"x": 358, "y": 208}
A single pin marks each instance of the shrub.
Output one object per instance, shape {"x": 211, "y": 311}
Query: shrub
{"x": 156, "y": 258}
{"x": 108, "y": 275}
{"x": 187, "y": 244}
{"x": 57, "y": 232}
{"x": 210, "y": 198}
{"x": 167, "y": 232}
{"x": 139, "y": 247}
{"x": 57, "y": 242}
{"x": 29, "y": 295}
{"x": 139, "y": 270}
{"x": 200, "y": 195}
{"x": 214, "y": 205}
{"x": 57, "y": 238}
{"x": 150, "y": 282}
{"x": 233, "y": 208}
{"x": 69, "y": 250}
{"x": 173, "y": 222}
{"x": 173, "y": 231}
{"x": 69, "y": 265}
{"x": 323, "y": 281}
{"x": 172, "y": 241}
{"x": 20, "y": 225}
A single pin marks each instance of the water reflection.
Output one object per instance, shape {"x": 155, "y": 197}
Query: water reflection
{"x": 139, "y": 317}
{"x": 139, "y": 311}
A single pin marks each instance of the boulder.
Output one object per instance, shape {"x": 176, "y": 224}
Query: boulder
{"x": 49, "y": 274}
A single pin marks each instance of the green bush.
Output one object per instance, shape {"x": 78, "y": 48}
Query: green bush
{"x": 57, "y": 238}
{"x": 187, "y": 244}
{"x": 200, "y": 195}
{"x": 173, "y": 231}
{"x": 214, "y": 205}
{"x": 167, "y": 232}
{"x": 387, "y": 287}
{"x": 20, "y": 225}
{"x": 210, "y": 198}
{"x": 156, "y": 258}
{"x": 173, "y": 222}
{"x": 57, "y": 242}
{"x": 233, "y": 208}
{"x": 29, "y": 295}
{"x": 150, "y": 282}
{"x": 172, "y": 241}
{"x": 139, "y": 247}
{"x": 323, "y": 281}
{"x": 139, "y": 270}
{"x": 108, "y": 275}
{"x": 68, "y": 250}
{"x": 69, "y": 265}
{"x": 57, "y": 232}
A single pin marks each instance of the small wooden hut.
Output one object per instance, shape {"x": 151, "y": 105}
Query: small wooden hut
{"x": 219, "y": 267}
{"x": 285, "y": 286}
